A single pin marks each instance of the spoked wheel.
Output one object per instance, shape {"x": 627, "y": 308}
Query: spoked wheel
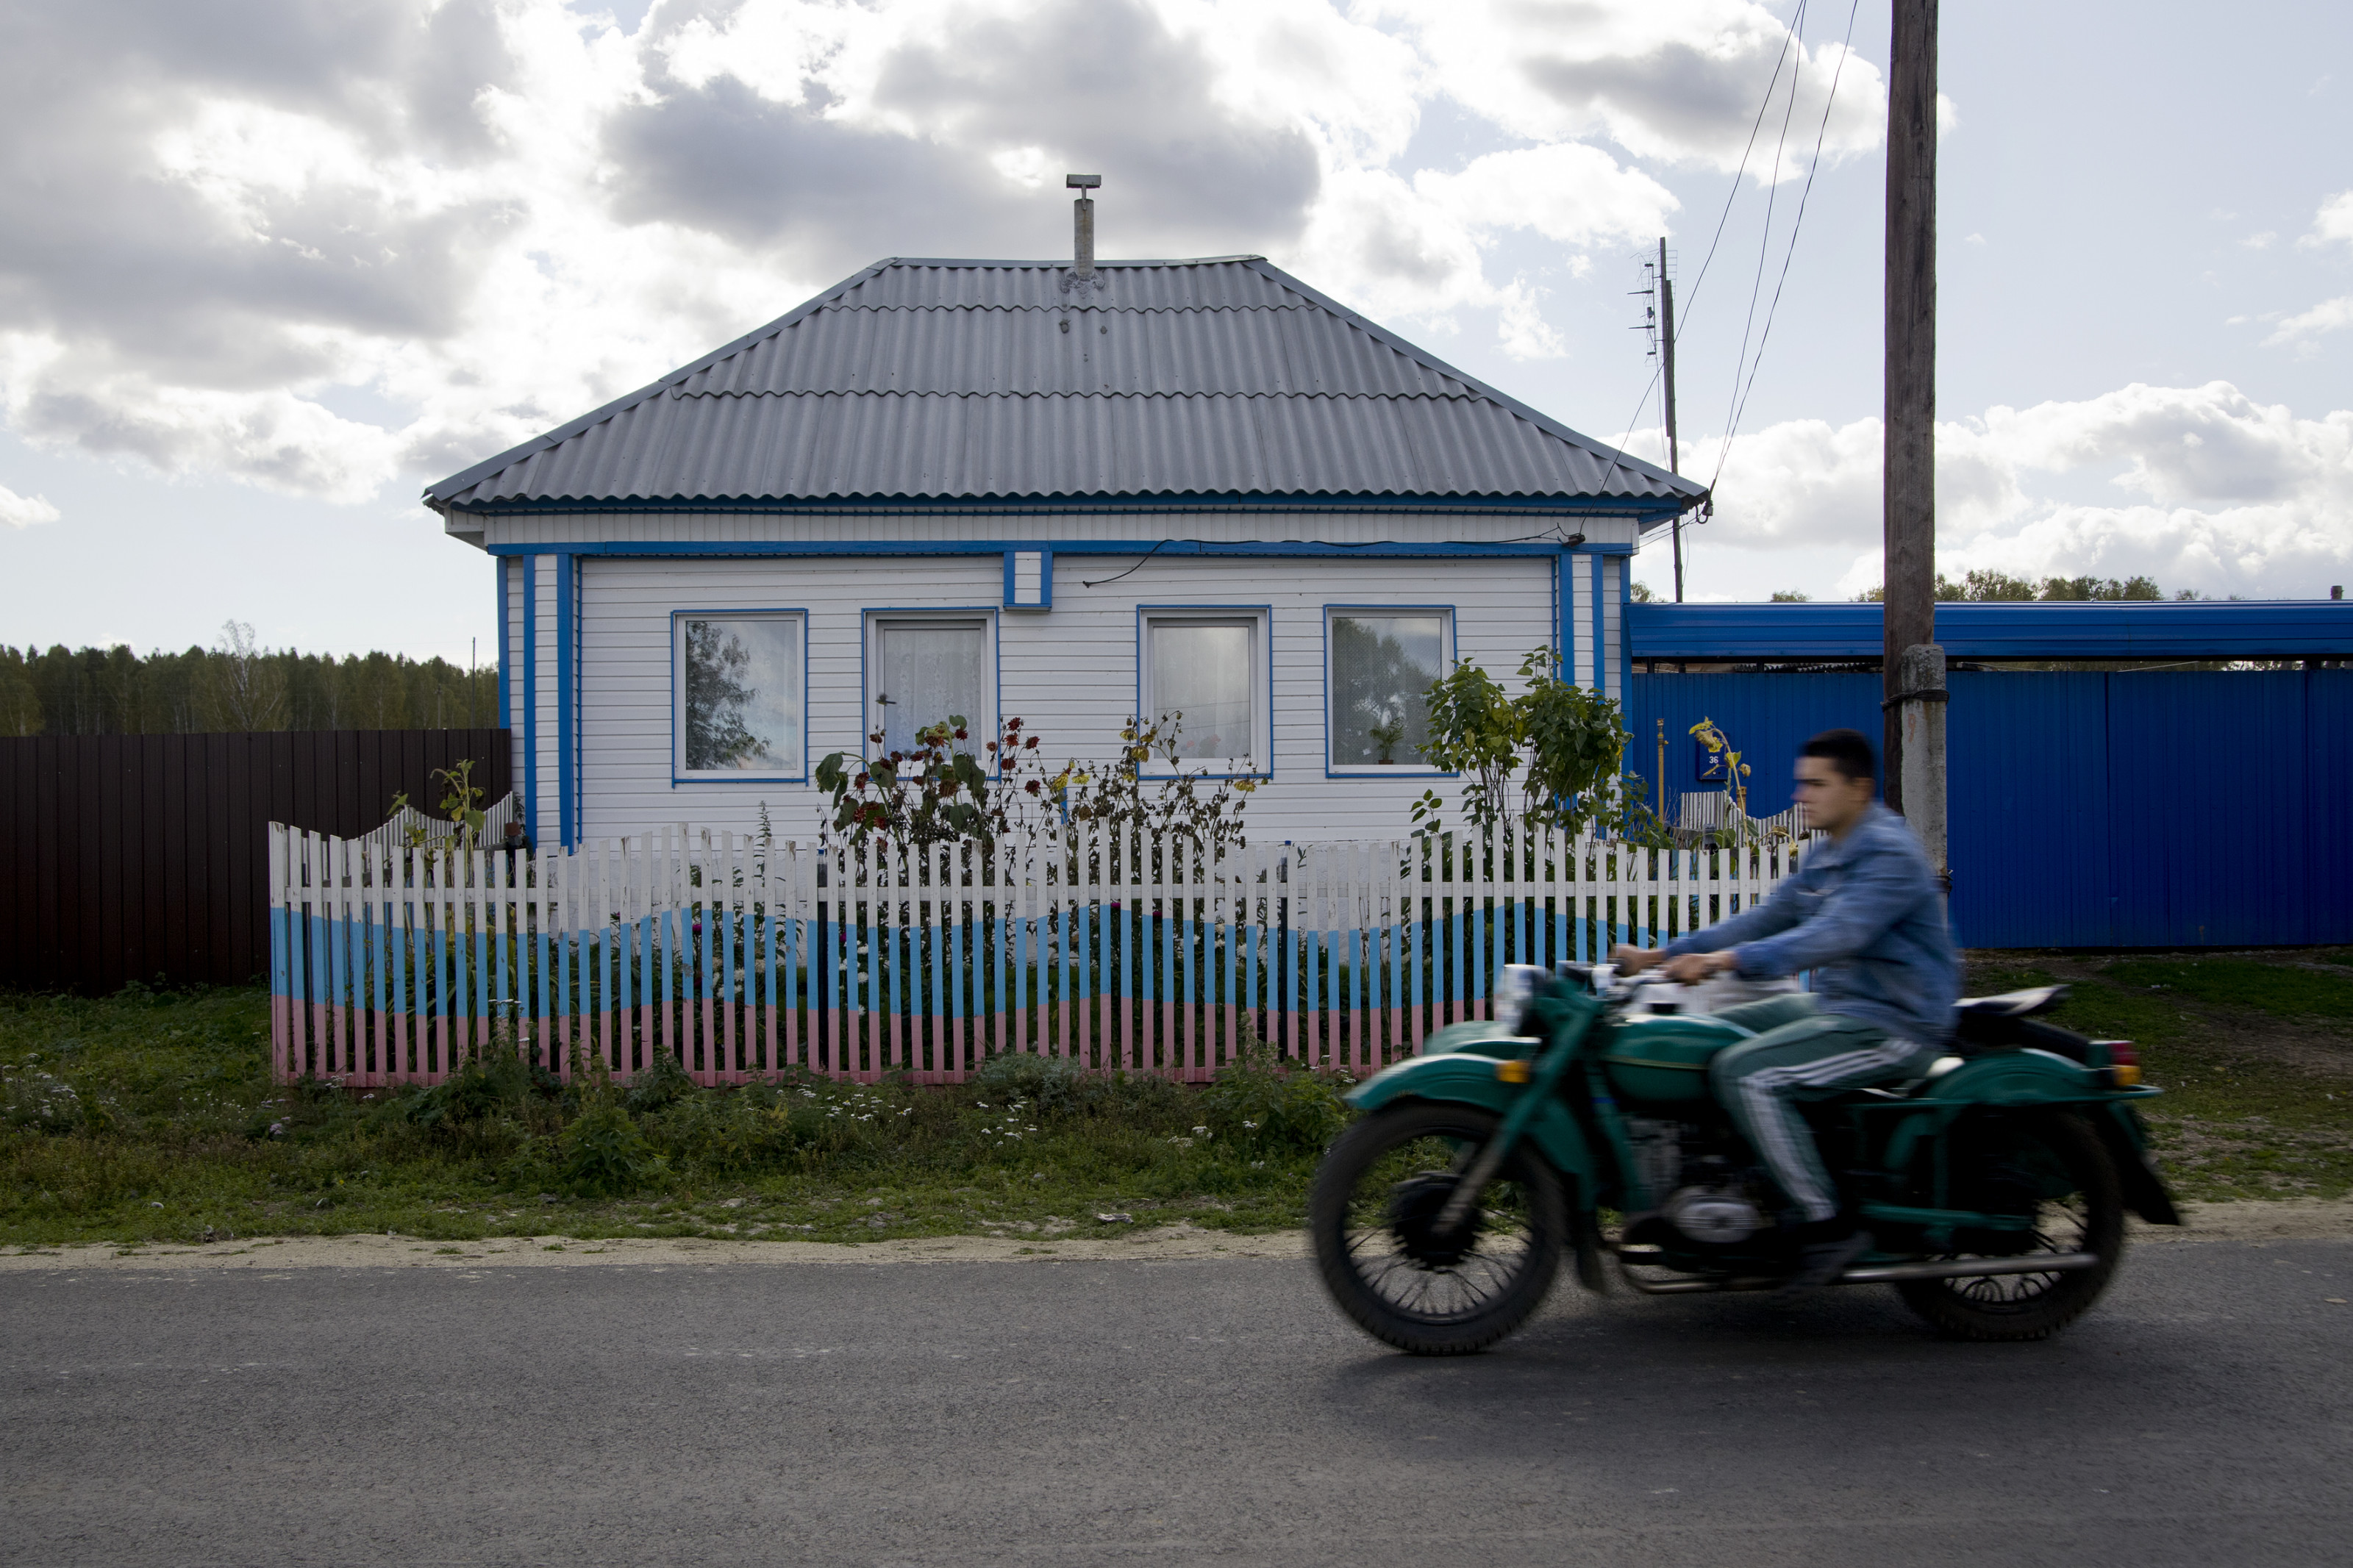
{"x": 2050, "y": 1170}
{"x": 1393, "y": 1266}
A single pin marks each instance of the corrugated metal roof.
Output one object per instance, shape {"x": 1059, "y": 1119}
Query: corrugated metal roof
{"x": 972, "y": 379}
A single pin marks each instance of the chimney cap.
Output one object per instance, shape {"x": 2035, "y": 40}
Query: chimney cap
{"x": 1081, "y": 182}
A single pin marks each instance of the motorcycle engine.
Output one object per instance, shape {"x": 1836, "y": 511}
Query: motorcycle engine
{"x": 1715, "y": 1216}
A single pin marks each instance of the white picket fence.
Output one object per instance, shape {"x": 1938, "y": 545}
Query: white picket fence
{"x": 742, "y": 959}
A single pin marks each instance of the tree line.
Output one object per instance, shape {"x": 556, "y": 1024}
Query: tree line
{"x": 235, "y": 685}
{"x": 2000, "y": 587}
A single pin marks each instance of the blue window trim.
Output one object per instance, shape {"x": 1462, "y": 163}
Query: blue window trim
{"x": 530, "y": 696}
{"x": 568, "y": 631}
{"x": 1045, "y": 576}
{"x": 677, "y": 775}
{"x": 1410, "y": 770}
{"x": 505, "y": 575}
{"x": 988, "y": 613}
{"x": 1266, "y": 657}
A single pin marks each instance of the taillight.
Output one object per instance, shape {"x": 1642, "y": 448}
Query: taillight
{"x": 2124, "y": 1063}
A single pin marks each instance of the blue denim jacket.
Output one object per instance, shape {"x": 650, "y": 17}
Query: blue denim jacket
{"x": 1866, "y": 917}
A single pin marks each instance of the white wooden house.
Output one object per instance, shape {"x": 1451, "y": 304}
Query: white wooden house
{"x": 1067, "y": 491}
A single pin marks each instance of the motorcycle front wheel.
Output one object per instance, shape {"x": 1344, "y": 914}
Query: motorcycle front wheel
{"x": 2052, "y": 1169}
{"x": 1406, "y": 1278}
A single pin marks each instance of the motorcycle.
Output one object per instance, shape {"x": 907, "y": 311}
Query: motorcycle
{"x": 1994, "y": 1187}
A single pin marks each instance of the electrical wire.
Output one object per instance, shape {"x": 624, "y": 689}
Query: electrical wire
{"x": 1763, "y": 239}
{"x": 1684, "y": 320}
{"x": 1740, "y": 405}
{"x": 1692, "y": 298}
{"x": 1130, "y": 570}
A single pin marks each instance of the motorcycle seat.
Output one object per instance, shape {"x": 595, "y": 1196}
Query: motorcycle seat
{"x": 2014, "y": 1004}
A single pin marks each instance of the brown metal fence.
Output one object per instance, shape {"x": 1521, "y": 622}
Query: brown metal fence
{"x": 132, "y": 857}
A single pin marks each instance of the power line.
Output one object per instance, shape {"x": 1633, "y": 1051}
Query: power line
{"x": 1764, "y": 240}
{"x": 1804, "y": 196}
{"x": 1730, "y": 196}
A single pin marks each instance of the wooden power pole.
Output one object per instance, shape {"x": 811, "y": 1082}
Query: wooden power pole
{"x": 1667, "y": 364}
{"x": 1914, "y": 664}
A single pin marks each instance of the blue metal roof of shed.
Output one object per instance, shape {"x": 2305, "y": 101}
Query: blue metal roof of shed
{"x": 967, "y": 380}
{"x": 2100, "y": 629}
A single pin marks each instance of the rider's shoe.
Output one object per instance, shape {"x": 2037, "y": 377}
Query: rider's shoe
{"x": 1825, "y": 1252}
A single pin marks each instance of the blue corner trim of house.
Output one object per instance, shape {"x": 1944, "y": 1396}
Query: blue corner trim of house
{"x": 566, "y": 768}
{"x": 2276, "y": 628}
{"x": 530, "y": 696}
{"x": 502, "y": 575}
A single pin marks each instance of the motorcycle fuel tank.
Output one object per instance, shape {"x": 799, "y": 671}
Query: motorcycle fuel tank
{"x": 1663, "y": 1060}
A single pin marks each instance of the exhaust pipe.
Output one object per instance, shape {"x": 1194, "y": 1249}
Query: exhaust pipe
{"x": 1883, "y": 1273}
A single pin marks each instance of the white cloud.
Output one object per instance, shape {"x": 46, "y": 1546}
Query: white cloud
{"x": 2328, "y": 316}
{"x": 2219, "y": 494}
{"x": 23, "y": 512}
{"x": 2333, "y": 222}
{"x": 476, "y": 218}
{"x": 2262, "y": 241}
{"x": 1674, "y": 80}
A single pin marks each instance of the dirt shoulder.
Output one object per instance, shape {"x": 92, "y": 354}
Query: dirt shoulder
{"x": 2256, "y": 1221}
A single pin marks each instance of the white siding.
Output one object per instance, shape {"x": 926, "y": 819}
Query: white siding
{"x": 1070, "y": 671}
{"x": 555, "y": 531}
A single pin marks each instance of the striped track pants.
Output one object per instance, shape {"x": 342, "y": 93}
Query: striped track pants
{"x": 1800, "y": 1053}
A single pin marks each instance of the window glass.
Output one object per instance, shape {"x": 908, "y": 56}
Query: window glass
{"x": 929, "y": 670}
{"x": 1382, "y": 666}
{"x": 1205, "y": 672}
{"x": 740, "y": 697}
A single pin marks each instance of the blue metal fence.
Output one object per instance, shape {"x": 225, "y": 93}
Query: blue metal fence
{"x": 2162, "y": 808}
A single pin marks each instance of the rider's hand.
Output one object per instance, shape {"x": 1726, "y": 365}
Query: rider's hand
{"x": 1634, "y": 959}
{"x": 1691, "y": 968}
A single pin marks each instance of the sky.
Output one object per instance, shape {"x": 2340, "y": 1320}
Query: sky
{"x": 267, "y": 270}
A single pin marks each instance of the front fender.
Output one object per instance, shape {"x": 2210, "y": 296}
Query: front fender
{"x": 1460, "y": 1078}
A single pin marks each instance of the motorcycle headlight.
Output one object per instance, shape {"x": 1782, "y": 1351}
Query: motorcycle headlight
{"x": 1514, "y": 989}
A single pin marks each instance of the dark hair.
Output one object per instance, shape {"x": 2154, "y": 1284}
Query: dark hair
{"x": 1845, "y": 750}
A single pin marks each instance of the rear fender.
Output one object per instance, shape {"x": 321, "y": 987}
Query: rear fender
{"x": 2126, "y": 1140}
{"x": 2030, "y": 1078}
{"x": 1460, "y": 1078}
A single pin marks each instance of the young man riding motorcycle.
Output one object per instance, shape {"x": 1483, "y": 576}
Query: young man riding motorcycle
{"x": 1865, "y": 914}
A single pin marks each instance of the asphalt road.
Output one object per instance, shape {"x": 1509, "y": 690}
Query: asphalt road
{"x": 1181, "y": 1412}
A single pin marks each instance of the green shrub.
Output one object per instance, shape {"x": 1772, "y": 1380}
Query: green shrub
{"x": 1051, "y": 1086}
{"x": 661, "y": 1083}
{"x": 1271, "y": 1107}
{"x": 604, "y": 1155}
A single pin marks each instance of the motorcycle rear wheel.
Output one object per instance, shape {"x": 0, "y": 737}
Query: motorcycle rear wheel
{"x": 2087, "y": 1215}
{"x": 1372, "y": 1215}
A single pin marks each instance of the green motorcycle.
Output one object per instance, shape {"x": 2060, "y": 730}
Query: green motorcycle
{"x": 1994, "y": 1188}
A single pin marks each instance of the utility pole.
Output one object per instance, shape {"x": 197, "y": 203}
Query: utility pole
{"x": 1667, "y": 363}
{"x": 1914, "y": 665}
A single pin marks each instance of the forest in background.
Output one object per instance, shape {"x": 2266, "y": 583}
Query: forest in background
{"x": 236, "y": 684}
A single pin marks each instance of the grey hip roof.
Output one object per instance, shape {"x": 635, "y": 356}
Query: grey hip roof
{"x": 967, "y": 380}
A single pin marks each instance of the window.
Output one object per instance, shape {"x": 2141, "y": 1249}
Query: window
{"x": 1382, "y": 662}
{"x": 1207, "y": 670}
{"x": 739, "y": 694}
{"x": 922, "y": 669}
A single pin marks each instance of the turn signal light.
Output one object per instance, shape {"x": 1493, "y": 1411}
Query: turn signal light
{"x": 2124, "y": 1063}
{"x": 1514, "y": 1071}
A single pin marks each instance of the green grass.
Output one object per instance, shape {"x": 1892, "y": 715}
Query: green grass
{"x": 152, "y": 1118}
{"x": 146, "y": 1118}
{"x": 2253, "y": 1053}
